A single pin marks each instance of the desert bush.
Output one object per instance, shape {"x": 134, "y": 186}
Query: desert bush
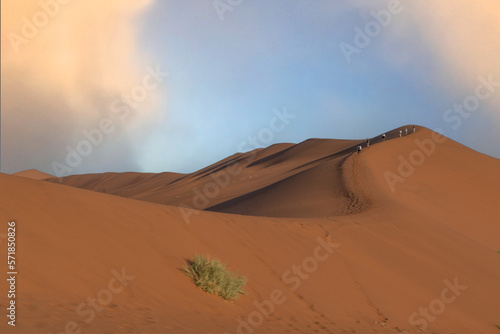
{"x": 212, "y": 276}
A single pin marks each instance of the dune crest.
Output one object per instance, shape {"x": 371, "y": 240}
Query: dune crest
{"x": 34, "y": 174}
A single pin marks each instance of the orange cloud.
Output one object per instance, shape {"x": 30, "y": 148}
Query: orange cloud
{"x": 465, "y": 36}
{"x": 63, "y": 63}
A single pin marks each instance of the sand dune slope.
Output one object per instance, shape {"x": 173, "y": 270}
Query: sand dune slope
{"x": 438, "y": 178}
{"x": 382, "y": 270}
{"x": 419, "y": 257}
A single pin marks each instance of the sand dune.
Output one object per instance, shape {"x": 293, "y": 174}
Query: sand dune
{"x": 34, "y": 174}
{"x": 257, "y": 183}
{"x": 371, "y": 259}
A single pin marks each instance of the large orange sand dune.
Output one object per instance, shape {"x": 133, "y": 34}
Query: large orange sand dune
{"x": 370, "y": 259}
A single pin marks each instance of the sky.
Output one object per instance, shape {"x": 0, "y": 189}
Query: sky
{"x": 153, "y": 86}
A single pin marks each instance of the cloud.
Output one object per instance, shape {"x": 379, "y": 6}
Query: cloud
{"x": 447, "y": 45}
{"x": 461, "y": 35}
{"x": 63, "y": 65}
{"x": 465, "y": 36}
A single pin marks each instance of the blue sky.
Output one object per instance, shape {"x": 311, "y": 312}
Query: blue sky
{"x": 228, "y": 77}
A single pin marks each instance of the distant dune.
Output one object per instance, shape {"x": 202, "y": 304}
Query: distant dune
{"x": 34, "y": 174}
{"x": 387, "y": 241}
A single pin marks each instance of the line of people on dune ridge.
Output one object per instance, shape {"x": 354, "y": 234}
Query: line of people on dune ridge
{"x": 384, "y": 136}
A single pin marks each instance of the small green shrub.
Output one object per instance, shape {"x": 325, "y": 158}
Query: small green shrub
{"x": 212, "y": 276}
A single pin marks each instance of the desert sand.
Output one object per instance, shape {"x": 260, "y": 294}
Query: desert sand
{"x": 317, "y": 229}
